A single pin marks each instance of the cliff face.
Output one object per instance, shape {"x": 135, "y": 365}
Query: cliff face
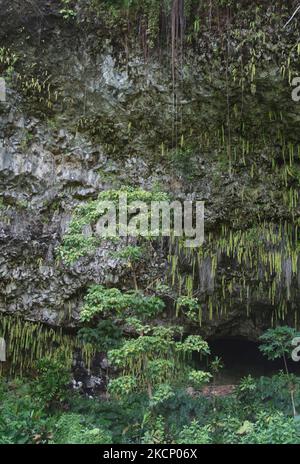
{"x": 87, "y": 110}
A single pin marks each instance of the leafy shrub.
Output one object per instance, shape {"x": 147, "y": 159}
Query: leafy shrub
{"x": 190, "y": 305}
{"x": 156, "y": 430}
{"x": 22, "y": 419}
{"x": 199, "y": 378}
{"x": 227, "y": 429}
{"x": 274, "y": 392}
{"x": 162, "y": 393}
{"x": 273, "y": 429}
{"x": 123, "y": 421}
{"x": 107, "y": 301}
{"x": 154, "y": 357}
{"x": 193, "y": 343}
{"x": 131, "y": 253}
{"x": 77, "y": 244}
{"x": 122, "y": 386}
{"x": 50, "y": 385}
{"x": 179, "y": 408}
{"x": 106, "y": 335}
{"x": 195, "y": 434}
{"x": 277, "y": 343}
{"x": 72, "y": 429}
{"x": 247, "y": 389}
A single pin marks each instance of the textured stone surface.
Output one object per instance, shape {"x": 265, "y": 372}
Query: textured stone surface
{"x": 50, "y": 164}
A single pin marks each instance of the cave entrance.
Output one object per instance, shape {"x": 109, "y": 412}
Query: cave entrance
{"x": 242, "y": 357}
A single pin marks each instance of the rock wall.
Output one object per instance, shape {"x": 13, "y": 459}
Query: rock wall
{"x": 86, "y": 112}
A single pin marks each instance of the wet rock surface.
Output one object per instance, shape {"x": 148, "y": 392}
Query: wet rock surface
{"x": 110, "y": 126}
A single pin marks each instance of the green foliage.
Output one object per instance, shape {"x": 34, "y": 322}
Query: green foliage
{"x": 171, "y": 416}
{"x": 199, "y": 378}
{"x": 230, "y": 427}
{"x": 8, "y": 60}
{"x": 195, "y": 434}
{"x": 225, "y": 3}
{"x": 71, "y": 429}
{"x": 131, "y": 253}
{"x": 108, "y": 302}
{"x": 50, "y": 385}
{"x": 277, "y": 343}
{"x": 106, "y": 335}
{"x": 193, "y": 343}
{"x": 247, "y": 387}
{"x": 122, "y": 386}
{"x": 160, "y": 369}
{"x": 272, "y": 429}
{"x": 36, "y": 86}
{"x": 161, "y": 394}
{"x": 275, "y": 392}
{"x": 28, "y": 342}
{"x": 22, "y": 419}
{"x": 152, "y": 358}
{"x": 76, "y": 246}
{"x": 260, "y": 247}
{"x": 155, "y": 432}
{"x": 216, "y": 365}
{"x": 152, "y": 344}
{"x": 122, "y": 419}
{"x": 133, "y": 194}
{"x": 77, "y": 243}
{"x": 117, "y": 12}
{"x": 191, "y": 307}
{"x": 67, "y": 12}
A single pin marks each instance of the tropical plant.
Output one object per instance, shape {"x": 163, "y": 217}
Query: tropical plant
{"x": 199, "y": 378}
{"x": 108, "y": 302}
{"x": 77, "y": 243}
{"x": 277, "y": 343}
{"x": 72, "y": 429}
{"x": 154, "y": 357}
{"x": 50, "y": 384}
{"x": 106, "y": 335}
{"x": 195, "y": 434}
{"x": 247, "y": 387}
{"x": 132, "y": 255}
{"x": 272, "y": 429}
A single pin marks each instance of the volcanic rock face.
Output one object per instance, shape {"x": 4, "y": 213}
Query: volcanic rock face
{"x": 83, "y": 116}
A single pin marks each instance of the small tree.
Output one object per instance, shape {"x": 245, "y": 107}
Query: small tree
{"x": 216, "y": 365}
{"x": 276, "y": 344}
{"x": 152, "y": 359}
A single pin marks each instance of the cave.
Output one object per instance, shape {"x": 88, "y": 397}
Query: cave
{"x": 242, "y": 357}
